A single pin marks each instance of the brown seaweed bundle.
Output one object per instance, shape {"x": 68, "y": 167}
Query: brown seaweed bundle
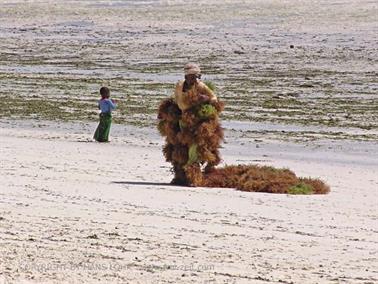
{"x": 263, "y": 179}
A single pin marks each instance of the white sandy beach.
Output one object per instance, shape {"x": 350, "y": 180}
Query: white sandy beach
{"x": 299, "y": 81}
{"x": 74, "y": 211}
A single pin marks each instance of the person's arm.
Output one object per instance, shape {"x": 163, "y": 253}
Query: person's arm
{"x": 112, "y": 104}
{"x": 178, "y": 90}
{"x": 207, "y": 94}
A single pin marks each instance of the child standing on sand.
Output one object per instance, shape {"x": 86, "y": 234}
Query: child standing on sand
{"x": 106, "y": 105}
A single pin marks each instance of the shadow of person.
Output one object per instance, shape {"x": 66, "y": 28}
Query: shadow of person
{"x": 142, "y": 183}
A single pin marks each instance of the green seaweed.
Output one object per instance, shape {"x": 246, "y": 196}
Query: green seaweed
{"x": 193, "y": 154}
{"x": 210, "y": 85}
{"x": 206, "y": 111}
{"x": 300, "y": 188}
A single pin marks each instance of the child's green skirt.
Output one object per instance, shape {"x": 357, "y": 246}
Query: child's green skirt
{"x": 103, "y": 129}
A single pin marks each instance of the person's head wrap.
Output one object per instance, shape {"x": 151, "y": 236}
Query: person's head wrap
{"x": 192, "y": 69}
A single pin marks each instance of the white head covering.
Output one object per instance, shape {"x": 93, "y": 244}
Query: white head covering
{"x": 192, "y": 69}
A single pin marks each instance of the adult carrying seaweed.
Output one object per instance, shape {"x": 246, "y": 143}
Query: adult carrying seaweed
{"x": 189, "y": 121}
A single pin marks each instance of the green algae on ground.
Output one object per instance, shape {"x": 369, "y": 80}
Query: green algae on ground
{"x": 311, "y": 85}
{"x": 300, "y": 189}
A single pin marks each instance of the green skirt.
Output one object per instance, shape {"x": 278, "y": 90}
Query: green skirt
{"x": 103, "y": 129}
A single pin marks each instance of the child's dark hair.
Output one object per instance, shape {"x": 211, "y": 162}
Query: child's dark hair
{"x": 105, "y": 92}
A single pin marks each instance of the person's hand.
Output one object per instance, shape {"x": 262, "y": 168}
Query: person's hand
{"x": 203, "y": 98}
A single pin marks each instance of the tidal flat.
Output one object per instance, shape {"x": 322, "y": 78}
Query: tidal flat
{"x": 288, "y": 63}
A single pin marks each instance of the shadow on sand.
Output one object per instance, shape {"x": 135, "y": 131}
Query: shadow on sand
{"x": 143, "y": 183}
